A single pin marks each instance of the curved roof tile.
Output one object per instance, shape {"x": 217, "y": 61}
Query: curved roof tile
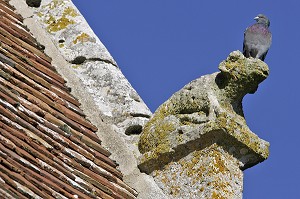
{"x": 48, "y": 149}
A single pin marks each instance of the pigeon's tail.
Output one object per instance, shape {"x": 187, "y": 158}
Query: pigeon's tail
{"x": 246, "y": 53}
{"x": 263, "y": 56}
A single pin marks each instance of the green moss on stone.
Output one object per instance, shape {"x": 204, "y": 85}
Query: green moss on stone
{"x": 241, "y": 133}
{"x": 156, "y": 131}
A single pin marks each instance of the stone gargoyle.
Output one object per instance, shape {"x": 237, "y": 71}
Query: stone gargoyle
{"x": 210, "y": 106}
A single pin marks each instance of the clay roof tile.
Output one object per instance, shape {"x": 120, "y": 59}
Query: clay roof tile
{"x": 48, "y": 149}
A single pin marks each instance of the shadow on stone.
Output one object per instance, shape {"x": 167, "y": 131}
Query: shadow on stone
{"x": 33, "y": 3}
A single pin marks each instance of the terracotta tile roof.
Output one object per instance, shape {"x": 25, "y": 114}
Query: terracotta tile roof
{"x": 47, "y": 147}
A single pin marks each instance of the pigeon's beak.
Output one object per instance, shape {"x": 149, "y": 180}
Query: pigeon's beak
{"x": 256, "y": 18}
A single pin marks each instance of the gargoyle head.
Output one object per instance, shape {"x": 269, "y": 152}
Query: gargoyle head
{"x": 242, "y": 74}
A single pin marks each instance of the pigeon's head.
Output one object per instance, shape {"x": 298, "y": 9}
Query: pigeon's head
{"x": 262, "y": 19}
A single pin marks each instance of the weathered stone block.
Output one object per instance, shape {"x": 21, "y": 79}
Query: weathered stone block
{"x": 200, "y": 134}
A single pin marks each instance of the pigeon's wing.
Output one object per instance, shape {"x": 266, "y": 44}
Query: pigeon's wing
{"x": 250, "y": 42}
{"x": 245, "y": 46}
{"x": 265, "y": 45}
{"x": 257, "y": 41}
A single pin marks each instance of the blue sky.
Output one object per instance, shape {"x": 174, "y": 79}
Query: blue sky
{"x": 162, "y": 45}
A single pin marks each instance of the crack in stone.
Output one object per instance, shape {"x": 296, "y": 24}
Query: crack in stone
{"x": 82, "y": 59}
{"x": 139, "y": 115}
{"x": 103, "y": 60}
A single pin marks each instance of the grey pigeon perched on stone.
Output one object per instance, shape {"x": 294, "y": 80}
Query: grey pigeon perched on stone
{"x": 257, "y": 38}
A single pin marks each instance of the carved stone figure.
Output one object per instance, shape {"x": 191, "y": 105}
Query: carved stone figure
{"x": 205, "y": 115}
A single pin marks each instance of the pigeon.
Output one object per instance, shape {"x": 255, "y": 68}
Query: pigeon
{"x": 257, "y": 38}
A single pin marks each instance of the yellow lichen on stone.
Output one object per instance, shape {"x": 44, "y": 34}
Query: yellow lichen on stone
{"x": 175, "y": 190}
{"x": 70, "y": 12}
{"x": 39, "y": 14}
{"x": 217, "y": 196}
{"x": 57, "y": 24}
{"x": 54, "y": 4}
{"x": 60, "y": 24}
{"x": 50, "y": 20}
{"x": 241, "y": 133}
{"x": 191, "y": 168}
{"x": 179, "y": 138}
{"x": 84, "y": 37}
{"x": 219, "y": 165}
{"x": 207, "y": 171}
